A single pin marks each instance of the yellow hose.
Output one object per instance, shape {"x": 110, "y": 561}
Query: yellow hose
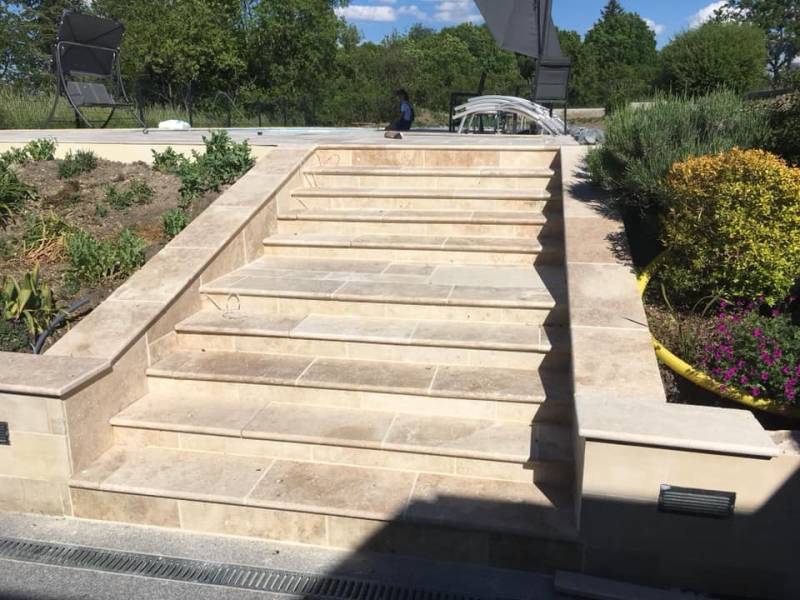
{"x": 701, "y": 379}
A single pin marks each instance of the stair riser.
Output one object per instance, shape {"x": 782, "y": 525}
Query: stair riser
{"x": 550, "y": 255}
{"x": 297, "y": 307}
{"x": 550, "y": 473}
{"x": 369, "y": 351}
{"x": 417, "y": 203}
{"x": 553, "y": 411}
{"x": 459, "y": 182}
{"x": 435, "y": 158}
{"x": 432, "y": 229}
{"x": 348, "y": 533}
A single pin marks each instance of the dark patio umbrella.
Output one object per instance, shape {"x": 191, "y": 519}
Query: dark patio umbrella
{"x": 522, "y": 26}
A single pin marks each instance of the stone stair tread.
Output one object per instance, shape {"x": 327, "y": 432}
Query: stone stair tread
{"x": 384, "y": 192}
{"x": 407, "y": 332}
{"x": 481, "y": 383}
{"x": 352, "y": 428}
{"x": 406, "y": 171}
{"x": 379, "y": 215}
{"x": 534, "y": 287}
{"x": 407, "y": 242}
{"x": 355, "y": 492}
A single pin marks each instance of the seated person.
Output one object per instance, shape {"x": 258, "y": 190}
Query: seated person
{"x": 406, "y": 113}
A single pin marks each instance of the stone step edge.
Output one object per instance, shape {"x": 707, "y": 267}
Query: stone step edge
{"x": 187, "y": 327}
{"x": 76, "y": 482}
{"x": 122, "y": 421}
{"x": 211, "y": 290}
{"x": 303, "y": 241}
{"x": 366, "y": 217}
{"x": 187, "y": 375}
{"x": 391, "y": 171}
{"x": 425, "y": 193}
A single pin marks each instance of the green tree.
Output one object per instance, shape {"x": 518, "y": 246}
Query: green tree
{"x": 618, "y": 60}
{"x": 714, "y": 56}
{"x": 780, "y": 19}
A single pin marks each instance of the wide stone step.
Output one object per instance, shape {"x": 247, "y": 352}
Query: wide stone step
{"x": 292, "y": 286}
{"x": 404, "y": 340}
{"x": 474, "y": 447}
{"x": 417, "y": 248}
{"x": 459, "y": 223}
{"x": 323, "y": 504}
{"x": 433, "y": 381}
{"x": 421, "y": 198}
{"x": 430, "y": 177}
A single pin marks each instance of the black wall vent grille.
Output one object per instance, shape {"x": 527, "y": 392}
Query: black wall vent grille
{"x": 697, "y": 502}
{"x": 306, "y": 585}
{"x": 5, "y": 436}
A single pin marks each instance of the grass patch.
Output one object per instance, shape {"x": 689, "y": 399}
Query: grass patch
{"x": 74, "y": 164}
{"x": 93, "y": 261}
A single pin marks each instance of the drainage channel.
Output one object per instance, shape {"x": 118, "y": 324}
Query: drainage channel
{"x": 305, "y": 585}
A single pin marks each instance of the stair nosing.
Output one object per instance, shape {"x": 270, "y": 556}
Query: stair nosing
{"x": 424, "y": 193}
{"x": 538, "y": 248}
{"x": 310, "y": 216}
{"x": 414, "y": 171}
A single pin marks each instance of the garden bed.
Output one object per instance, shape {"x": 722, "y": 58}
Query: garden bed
{"x": 75, "y": 229}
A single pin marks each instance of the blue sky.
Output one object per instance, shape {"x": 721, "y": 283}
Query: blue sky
{"x": 377, "y": 18}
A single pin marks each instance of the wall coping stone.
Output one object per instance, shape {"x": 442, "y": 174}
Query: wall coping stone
{"x": 619, "y": 396}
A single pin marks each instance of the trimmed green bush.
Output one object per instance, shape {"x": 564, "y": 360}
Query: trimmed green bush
{"x": 732, "y": 228}
{"x": 642, "y": 144}
{"x": 714, "y": 56}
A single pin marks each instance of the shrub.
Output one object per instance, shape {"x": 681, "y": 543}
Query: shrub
{"x": 175, "y": 221}
{"x": 27, "y": 300}
{"x": 92, "y": 261}
{"x": 82, "y": 161}
{"x": 641, "y": 145}
{"x": 714, "y": 56}
{"x": 755, "y": 351}
{"x": 785, "y": 125}
{"x": 168, "y": 161}
{"x": 138, "y": 193}
{"x": 13, "y": 156}
{"x": 45, "y": 236}
{"x": 41, "y": 149}
{"x": 13, "y": 194}
{"x": 732, "y": 229}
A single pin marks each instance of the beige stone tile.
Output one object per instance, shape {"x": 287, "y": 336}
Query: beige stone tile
{"x": 165, "y": 276}
{"x": 414, "y": 293}
{"x": 595, "y": 240}
{"x": 491, "y": 504}
{"x": 319, "y": 424}
{"x": 246, "y": 521}
{"x": 177, "y": 474}
{"x": 89, "y": 411}
{"x": 304, "y": 288}
{"x": 240, "y": 323}
{"x": 319, "y": 240}
{"x": 410, "y": 269}
{"x": 367, "y": 375}
{"x": 478, "y": 335}
{"x": 383, "y": 459}
{"x": 487, "y": 244}
{"x": 494, "y": 277}
{"x": 223, "y": 415}
{"x": 333, "y": 489}
{"x": 489, "y": 469}
{"x": 398, "y": 241}
{"x": 320, "y": 264}
{"x": 230, "y": 258}
{"x": 501, "y": 297}
{"x": 25, "y": 413}
{"x": 261, "y": 225}
{"x": 604, "y": 296}
{"x": 236, "y": 446}
{"x": 49, "y": 376}
{"x": 142, "y": 438}
{"x": 213, "y": 228}
{"x": 489, "y": 383}
{"x": 470, "y": 438}
{"x": 33, "y": 496}
{"x": 230, "y": 366}
{"x": 126, "y": 508}
{"x": 35, "y": 456}
{"x": 346, "y": 328}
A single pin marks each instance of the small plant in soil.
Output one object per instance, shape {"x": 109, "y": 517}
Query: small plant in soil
{"x": 93, "y": 261}
{"x": 45, "y": 236}
{"x": 138, "y": 193}
{"x": 13, "y": 195}
{"x": 28, "y": 300}
{"x": 41, "y": 149}
{"x": 100, "y": 210}
{"x": 175, "y": 221}
{"x": 82, "y": 161}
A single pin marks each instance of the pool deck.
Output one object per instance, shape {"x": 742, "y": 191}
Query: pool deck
{"x": 281, "y": 136}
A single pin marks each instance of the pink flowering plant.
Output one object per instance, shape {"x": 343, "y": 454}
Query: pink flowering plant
{"x": 755, "y": 349}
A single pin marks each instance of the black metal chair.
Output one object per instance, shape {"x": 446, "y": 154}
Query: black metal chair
{"x": 86, "y": 66}
{"x": 551, "y": 85}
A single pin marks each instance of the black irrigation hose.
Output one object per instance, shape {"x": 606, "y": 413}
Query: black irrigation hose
{"x": 57, "y": 322}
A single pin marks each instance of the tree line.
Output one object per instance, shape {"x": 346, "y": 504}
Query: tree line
{"x": 297, "y": 61}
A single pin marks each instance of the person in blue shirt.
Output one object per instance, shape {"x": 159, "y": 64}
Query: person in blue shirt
{"x": 406, "y": 113}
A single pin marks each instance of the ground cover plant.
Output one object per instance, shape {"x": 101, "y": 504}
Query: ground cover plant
{"x": 78, "y": 237}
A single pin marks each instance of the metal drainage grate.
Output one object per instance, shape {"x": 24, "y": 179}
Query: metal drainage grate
{"x": 310, "y": 587}
{"x": 5, "y": 438}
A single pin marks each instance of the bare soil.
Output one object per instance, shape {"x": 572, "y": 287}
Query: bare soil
{"x": 81, "y": 202}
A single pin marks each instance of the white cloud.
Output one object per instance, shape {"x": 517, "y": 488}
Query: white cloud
{"x": 705, "y": 14}
{"x": 657, "y": 28}
{"x": 362, "y": 12}
{"x": 456, "y": 11}
{"x": 412, "y": 10}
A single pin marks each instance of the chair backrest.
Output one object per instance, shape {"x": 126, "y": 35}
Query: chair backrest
{"x": 551, "y": 85}
{"x": 87, "y": 45}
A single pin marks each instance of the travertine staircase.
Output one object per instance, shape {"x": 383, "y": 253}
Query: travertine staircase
{"x": 392, "y": 374}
